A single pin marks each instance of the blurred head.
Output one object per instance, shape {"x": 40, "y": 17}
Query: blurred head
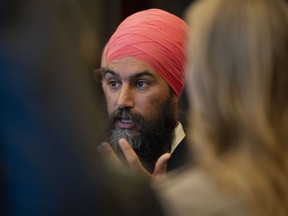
{"x": 143, "y": 79}
{"x": 238, "y": 82}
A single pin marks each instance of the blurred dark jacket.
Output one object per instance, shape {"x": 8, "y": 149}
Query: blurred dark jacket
{"x": 51, "y": 122}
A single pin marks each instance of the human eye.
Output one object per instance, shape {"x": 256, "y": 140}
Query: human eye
{"x": 114, "y": 84}
{"x": 141, "y": 84}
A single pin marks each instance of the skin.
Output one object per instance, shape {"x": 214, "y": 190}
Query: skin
{"x": 130, "y": 83}
{"x": 134, "y": 163}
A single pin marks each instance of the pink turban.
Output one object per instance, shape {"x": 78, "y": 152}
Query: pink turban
{"x": 156, "y": 38}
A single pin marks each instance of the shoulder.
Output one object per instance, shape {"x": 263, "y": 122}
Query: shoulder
{"x": 190, "y": 192}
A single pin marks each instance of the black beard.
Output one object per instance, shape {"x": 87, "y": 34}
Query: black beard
{"x": 148, "y": 139}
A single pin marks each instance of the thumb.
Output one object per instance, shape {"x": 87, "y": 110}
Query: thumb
{"x": 160, "y": 170}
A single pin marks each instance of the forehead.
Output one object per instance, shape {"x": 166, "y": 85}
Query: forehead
{"x": 129, "y": 66}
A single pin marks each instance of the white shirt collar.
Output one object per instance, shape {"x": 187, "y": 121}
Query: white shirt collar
{"x": 179, "y": 136}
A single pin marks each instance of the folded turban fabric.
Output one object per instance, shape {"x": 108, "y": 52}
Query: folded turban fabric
{"x": 156, "y": 38}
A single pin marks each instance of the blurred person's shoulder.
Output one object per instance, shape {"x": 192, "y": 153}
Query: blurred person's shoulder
{"x": 130, "y": 194}
{"x": 190, "y": 191}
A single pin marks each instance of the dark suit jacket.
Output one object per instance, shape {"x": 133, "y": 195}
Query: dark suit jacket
{"x": 181, "y": 156}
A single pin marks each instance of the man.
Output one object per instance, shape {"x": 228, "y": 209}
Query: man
{"x": 142, "y": 81}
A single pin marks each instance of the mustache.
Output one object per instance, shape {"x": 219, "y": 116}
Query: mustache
{"x": 126, "y": 114}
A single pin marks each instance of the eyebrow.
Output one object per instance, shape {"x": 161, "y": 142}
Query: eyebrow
{"x": 105, "y": 71}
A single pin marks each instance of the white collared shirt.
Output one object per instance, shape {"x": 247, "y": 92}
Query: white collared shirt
{"x": 179, "y": 136}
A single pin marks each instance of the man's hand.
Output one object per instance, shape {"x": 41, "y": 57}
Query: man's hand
{"x": 133, "y": 160}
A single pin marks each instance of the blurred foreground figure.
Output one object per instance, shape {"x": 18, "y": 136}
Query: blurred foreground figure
{"x": 238, "y": 83}
{"x": 49, "y": 117}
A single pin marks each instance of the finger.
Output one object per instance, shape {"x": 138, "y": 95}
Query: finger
{"x": 108, "y": 151}
{"x": 161, "y": 166}
{"x": 130, "y": 155}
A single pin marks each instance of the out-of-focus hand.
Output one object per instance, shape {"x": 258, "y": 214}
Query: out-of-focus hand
{"x": 134, "y": 162}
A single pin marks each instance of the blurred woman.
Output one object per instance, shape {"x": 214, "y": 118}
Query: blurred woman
{"x": 238, "y": 84}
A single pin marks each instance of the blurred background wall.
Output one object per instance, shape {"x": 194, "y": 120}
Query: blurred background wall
{"x": 114, "y": 11}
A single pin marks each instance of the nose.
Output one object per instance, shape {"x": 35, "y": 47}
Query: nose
{"x": 126, "y": 97}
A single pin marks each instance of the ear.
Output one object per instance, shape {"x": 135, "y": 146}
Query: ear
{"x": 99, "y": 77}
{"x": 104, "y": 86}
{"x": 175, "y": 98}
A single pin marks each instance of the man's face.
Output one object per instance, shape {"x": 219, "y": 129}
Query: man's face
{"x": 141, "y": 107}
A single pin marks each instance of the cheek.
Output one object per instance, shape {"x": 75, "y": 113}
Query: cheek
{"x": 110, "y": 102}
{"x": 110, "y": 109}
{"x": 149, "y": 108}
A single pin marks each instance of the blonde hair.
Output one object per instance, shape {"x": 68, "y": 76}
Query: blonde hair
{"x": 238, "y": 84}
